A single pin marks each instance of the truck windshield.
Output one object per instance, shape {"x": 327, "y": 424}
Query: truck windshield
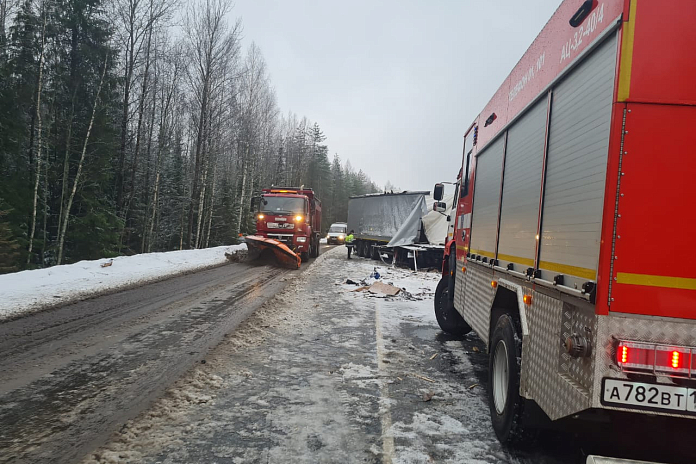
{"x": 339, "y": 229}
{"x": 289, "y": 205}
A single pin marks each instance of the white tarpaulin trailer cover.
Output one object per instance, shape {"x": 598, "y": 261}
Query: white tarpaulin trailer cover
{"x": 378, "y": 217}
{"x": 423, "y": 218}
{"x": 435, "y": 224}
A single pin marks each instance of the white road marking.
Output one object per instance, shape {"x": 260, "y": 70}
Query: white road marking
{"x": 385, "y": 411}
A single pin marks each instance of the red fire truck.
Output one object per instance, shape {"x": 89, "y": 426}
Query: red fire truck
{"x": 574, "y": 248}
{"x": 291, "y": 216}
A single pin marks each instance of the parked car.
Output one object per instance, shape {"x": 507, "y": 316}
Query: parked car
{"x": 337, "y": 233}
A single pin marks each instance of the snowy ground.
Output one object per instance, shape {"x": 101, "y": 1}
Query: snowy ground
{"x": 323, "y": 373}
{"x": 28, "y": 291}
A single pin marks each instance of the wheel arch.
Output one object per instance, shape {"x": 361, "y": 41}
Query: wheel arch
{"x": 450, "y": 252}
{"x": 509, "y": 299}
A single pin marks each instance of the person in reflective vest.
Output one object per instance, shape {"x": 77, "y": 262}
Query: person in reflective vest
{"x": 349, "y": 242}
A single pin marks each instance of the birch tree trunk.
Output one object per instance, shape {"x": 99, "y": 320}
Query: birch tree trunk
{"x": 138, "y": 133}
{"x": 212, "y": 205}
{"x": 66, "y": 160}
{"x": 40, "y": 132}
{"x": 64, "y": 225}
{"x": 154, "y": 210}
{"x": 242, "y": 190}
{"x": 201, "y": 200}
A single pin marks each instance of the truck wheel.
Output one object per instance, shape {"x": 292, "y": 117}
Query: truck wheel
{"x": 504, "y": 398}
{"x": 359, "y": 247}
{"x": 447, "y": 317}
{"x": 374, "y": 253}
{"x": 315, "y": 248}
{"x": 304, "y": 256}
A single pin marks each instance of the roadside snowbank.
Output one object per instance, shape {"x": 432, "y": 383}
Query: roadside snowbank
{"x": 28, "y": 291}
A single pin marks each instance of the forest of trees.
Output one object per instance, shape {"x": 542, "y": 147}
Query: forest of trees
{"x": 130, "y": 126}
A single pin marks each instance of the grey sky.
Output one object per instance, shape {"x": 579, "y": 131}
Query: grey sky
{"x": 393, "y": 84}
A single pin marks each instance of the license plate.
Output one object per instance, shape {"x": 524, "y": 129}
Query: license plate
{"x": 648, "y": 396}
{"x": 272, "y": 225}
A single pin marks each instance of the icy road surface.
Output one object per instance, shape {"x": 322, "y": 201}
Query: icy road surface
{"x": 323, "y": 374}
{"x": 71, "y": 376}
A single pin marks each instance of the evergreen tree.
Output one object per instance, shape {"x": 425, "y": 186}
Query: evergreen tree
{"x": 116, "y": 148}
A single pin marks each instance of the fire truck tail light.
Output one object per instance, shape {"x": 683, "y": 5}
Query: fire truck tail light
{"x": 631, "y": 355}
{"x": 672, "y": 359}
{"x": 623, "y": 355}
{"x": 675, "y": 359}
{"x": 658, "y": 359}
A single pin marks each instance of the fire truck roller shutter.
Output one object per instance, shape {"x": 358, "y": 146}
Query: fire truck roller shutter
{"x": 484, "y": 226}
{"x": 576, "y": 168}
{"x": 520, "y": 209}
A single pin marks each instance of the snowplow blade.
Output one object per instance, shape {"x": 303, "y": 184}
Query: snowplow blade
{"x": 262, "y": 246}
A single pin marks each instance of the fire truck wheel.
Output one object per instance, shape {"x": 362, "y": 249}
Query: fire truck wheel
{"x": 448, "y": 318}
{"x": 304, "y": 256}
{"x": 504, "y": 382}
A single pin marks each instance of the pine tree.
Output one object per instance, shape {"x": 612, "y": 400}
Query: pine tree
{"x": 9, "y": 248}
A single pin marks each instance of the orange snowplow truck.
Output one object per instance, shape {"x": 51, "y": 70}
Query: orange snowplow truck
{"x": 292, "y": 216}
{"x": 574, "y": 247}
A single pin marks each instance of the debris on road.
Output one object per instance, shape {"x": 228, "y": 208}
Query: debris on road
{"x": 386, "y": 289}
{"x": 423, "y": 378}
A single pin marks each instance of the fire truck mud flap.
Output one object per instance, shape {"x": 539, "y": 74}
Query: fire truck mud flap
{"x": 260, "y": 247}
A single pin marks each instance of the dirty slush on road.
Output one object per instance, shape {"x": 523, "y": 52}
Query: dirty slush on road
{"x": 324, "y": 373}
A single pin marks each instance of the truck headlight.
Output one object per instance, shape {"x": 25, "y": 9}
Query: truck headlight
{"x": 301, "y": 239}
{"x": 341, "y": 237}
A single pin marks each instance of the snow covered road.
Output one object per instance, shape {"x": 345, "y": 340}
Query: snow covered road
{"x": 73, "y": 375}
{"x": 319, "y": 373}
{"x": 325, "y": 374}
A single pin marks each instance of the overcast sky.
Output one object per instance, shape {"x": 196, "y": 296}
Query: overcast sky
{"x": 393, "y": 84}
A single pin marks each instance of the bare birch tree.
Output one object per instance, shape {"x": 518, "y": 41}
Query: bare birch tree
{"x": 39, "y": 155}
{"x": 213, "y": 46}
{"x": 66, "y": 216}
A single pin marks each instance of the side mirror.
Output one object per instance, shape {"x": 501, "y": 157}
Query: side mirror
{"x": 440, "y": 206}
{"x": 254, "y": 204}
{"x": 438, "y": 191}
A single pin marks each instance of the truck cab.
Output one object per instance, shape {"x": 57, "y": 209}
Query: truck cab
{"x": 289, "y": 216}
